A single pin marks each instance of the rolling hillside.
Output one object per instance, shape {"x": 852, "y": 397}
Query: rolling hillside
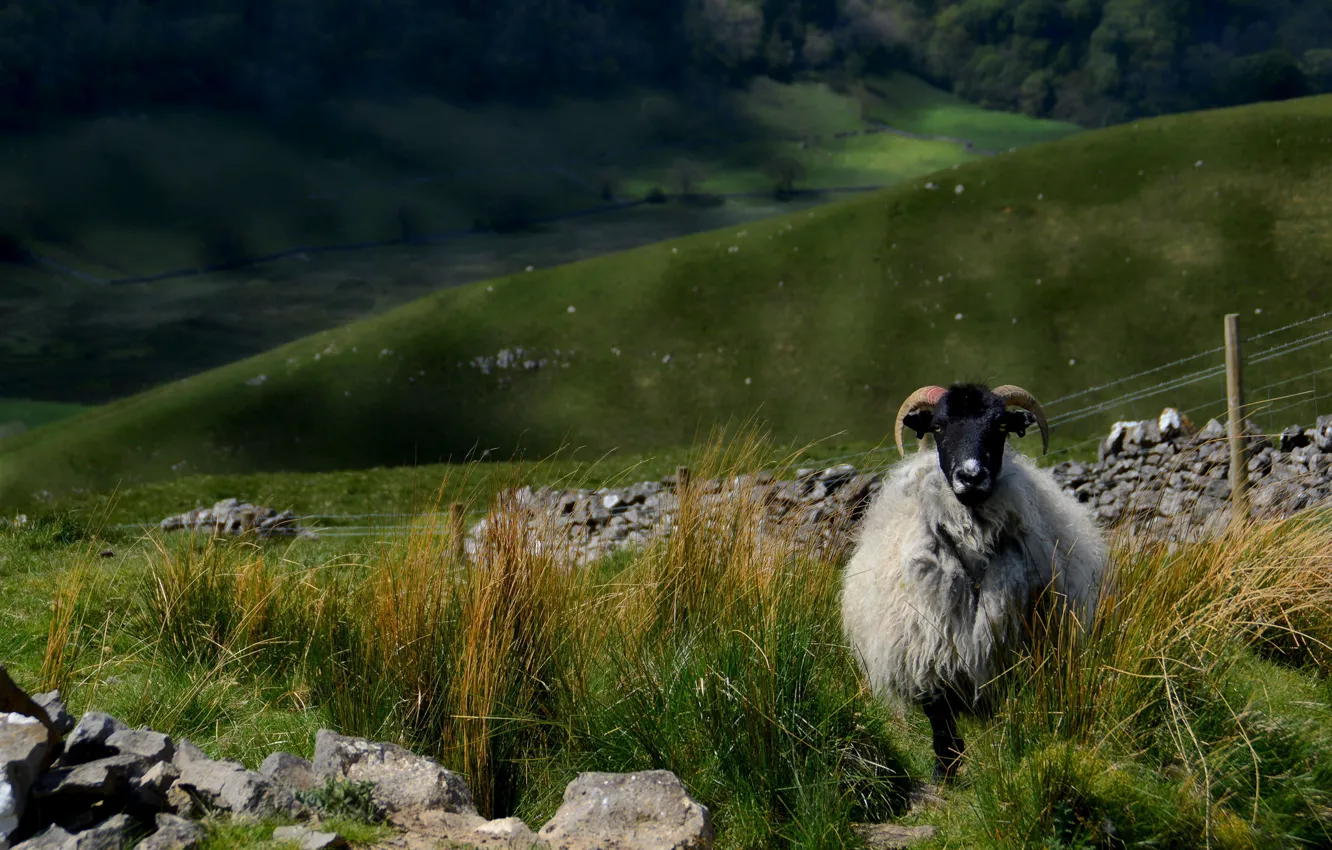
{"x": 1057, "y": 267}
{"x": 370, "y": 205}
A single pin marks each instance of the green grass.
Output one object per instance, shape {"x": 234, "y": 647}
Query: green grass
{"x": 1071, "y": 264}
{"x": 122, "y": 196}
{"x": 17, "y": 415}
{"x": 1195, "y": 715}
{"x": 908, "y": 103}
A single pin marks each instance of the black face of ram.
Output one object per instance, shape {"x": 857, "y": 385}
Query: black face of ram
{"x": 969, "y": 425}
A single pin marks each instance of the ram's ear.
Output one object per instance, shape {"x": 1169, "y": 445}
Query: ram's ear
{"x": 1018, "y": 421}
{"x": 919, "y": 421}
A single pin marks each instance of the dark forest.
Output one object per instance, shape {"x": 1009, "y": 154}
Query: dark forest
{"x": 1090, "y": 61}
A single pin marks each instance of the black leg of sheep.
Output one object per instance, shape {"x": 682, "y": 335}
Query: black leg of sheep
{"x": 947, "y": 743}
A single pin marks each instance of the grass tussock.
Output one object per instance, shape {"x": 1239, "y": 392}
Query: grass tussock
{"x": 714, "y": 652}
{"x": 1192, "y": 712}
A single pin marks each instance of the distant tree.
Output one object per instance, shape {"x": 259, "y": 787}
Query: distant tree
{"x": 687, "y": 175}
{"x": 818, "y": 47}
{"x": 786, "y": 171}
{"x": 609, "y": 182}
{"x": 1272, "y": 75}
{"x": 726, "y": 33}
{"x": 1037, "y": 93}
{"x": 1317, "y": 67}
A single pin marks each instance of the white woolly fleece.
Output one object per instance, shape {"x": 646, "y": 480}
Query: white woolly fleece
{"x": 936, "y": 593}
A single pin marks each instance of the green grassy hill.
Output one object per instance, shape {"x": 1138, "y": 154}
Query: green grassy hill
{"x": 1057, "y": 267}
{"x": 134, "y": 195}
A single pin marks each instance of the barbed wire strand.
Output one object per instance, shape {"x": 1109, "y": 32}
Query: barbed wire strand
{"x": 1183, "y": 360}
{"x": 1182, "y": 381}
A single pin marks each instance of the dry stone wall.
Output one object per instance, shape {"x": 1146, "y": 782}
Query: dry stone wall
{"x": 1161, "y": 476}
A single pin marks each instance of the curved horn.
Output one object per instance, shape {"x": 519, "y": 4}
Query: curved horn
{"x": 923, "y": 397}
{"x": 1018, "y": 397}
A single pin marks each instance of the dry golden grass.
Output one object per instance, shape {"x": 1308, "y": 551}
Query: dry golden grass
{"x": 717, "y": 652}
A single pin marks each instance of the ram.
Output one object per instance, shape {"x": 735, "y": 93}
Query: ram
{"x": 956, "y": 550}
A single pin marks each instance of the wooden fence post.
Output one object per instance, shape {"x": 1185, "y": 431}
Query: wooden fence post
{"x": 1239, "y": 462}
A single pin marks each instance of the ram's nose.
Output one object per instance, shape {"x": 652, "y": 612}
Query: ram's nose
{"x": 971, "y": 481}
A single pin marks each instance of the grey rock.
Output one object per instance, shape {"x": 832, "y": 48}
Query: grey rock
{"x": 223, "y": 786}
{"x": 142, "y": 742}
{"x": 112, "y": 834}
{"x": 187, "y": 752}
{"x": 24, "y": 744}
{"x": 308, "y": 839}
{"x": 56, "y": 712}
{"x": 1176, "y": 502}
{"x": 174, "y": 833}
{"x": 509, "y": 829}
{"x": 232, "y": 517}
{"x": 52, "y": 838}
{"x": 112, "y": 776}
{"x": 287, "y": 771}
{"x": 404, "y": 781}
{"x": 1217, "y": 488}
{"x": 503, "y": 834}
{"x": 152, "y": 787}
{"x": 634, "y": 811}
{"x": 891, "y": 836}
{"x": 1213, "y": 430}
{"x": 88, "y": 741}
{"x": 1294, "y": 438}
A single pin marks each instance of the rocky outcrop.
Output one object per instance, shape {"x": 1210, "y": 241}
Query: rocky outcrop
{"x": 111, "y": 786}
{"x": 234, "y": 517}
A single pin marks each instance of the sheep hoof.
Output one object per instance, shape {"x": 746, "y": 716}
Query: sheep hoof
{"x": 946, "y": 774}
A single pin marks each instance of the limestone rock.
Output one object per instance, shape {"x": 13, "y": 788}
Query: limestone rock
{"x": 290, "y": 772}
{"x": 308, "y": 839}
{"x": 153, "y": 746}
{"x": 187, "y": 752}
{"x": 509, "y": 833}
{"x": 891, "y": 836}
{"x": 89, "y": 739}
{"x": 223, "y": 786}
{"x": 106, "y": 777}
{"x": 111, "y": 834}
{"x": 61, "y": 721}
{"x": 24, "y": 743}
{"x": 152, "y": 787}
{"x": 173, "y": 833}
{"x": 629, "y": 811}
{"x": 404, "y": 781}
{"x": 233, "y": 517}
{"x": 13, "y": 700}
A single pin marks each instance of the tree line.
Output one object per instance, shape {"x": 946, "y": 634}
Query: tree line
{"x": 1090, "y": 61}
